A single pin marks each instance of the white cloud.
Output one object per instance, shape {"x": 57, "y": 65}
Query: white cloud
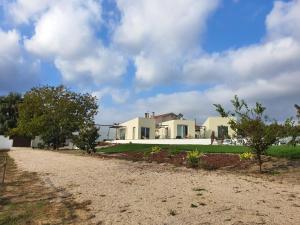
{"x": 13, "y": 64}
{"x": 118, "y": 95}
{"x": 105, "y": 65}
{"x": 9, "y": 47}
{"x": 22, "y": 11}
{"x": 161, "y": 35}
{"x": 65, "y": 30}
{"x": 284, "y": 20}
{"x": 163, "y": 38}
{"x": 258, "y": 61}
{"x": 67, "y": 34}
{"x": 268, "y": 72}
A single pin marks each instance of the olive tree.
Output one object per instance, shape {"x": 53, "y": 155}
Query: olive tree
{"x": 54, "y": 114}
{"x": 251, "y": 124}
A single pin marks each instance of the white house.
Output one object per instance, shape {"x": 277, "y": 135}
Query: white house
{"x": 172, "y": 126}
{"x": 165, "y": 126}
{"x": 138, "y": 128}
{"x": 220, "y": 125}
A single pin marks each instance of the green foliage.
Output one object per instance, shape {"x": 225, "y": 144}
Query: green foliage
{"x": 291, "y": 129}
{"x": 246, "y": 156}
{"x": 155, "y": 149}
{"x": 86, "y": 139}
{"x": 298, "y": 112}
{"x": 54, "y": 113}
{"x": 251, "y": 124}
{"x": 193, "y": 158}
{"x": 9, "y": 112}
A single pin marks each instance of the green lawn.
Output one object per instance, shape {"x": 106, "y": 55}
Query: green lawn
{"x": 276, "y": 151}
{"x": 174, "y": 148}
{"x": 285, "y": 151}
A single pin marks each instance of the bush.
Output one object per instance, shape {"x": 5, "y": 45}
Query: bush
{"x": 86, "y": 139}
{"x": 193, "y": 158}
{"x": 246, "y": 156}
{"x": 155, "y": 149}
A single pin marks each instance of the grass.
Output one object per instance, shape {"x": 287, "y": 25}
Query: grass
{"x": 283, "y": 151}
{"x": 173, "y": 149}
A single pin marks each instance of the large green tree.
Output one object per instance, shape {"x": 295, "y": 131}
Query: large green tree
{"x": 253, "y": 125}
{"x": 9, "y": 112}
{"x": 54, "y": 114}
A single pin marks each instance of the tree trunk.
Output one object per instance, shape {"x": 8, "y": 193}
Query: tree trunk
{"x": 259, "y": 162}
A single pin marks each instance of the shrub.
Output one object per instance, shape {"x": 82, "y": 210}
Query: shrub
{"x": 86, "y": 139}
{"x": 193, "y": 158}
{"x": 246, "y": 156}
{"x": 155, "y": 149}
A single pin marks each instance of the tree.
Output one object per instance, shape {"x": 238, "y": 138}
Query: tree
{"x": 54, "y": 114}
{"x": 9, "y": 112}
{"x": 291, "y": 129}
{"x": 251, "y": 124}
{"x": 298, "y": 112}
{"x": 86, "y": 139}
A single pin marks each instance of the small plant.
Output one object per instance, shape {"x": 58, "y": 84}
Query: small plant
{"x": 155, "y": 149}
{"x": 193, "y": 158}
{"x": 246, "y": 156}
{"x": 193, "y": 205}
{"x": 172, "y": 212}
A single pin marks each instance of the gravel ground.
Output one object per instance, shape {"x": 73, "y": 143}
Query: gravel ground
{"x": 124, "y": 192}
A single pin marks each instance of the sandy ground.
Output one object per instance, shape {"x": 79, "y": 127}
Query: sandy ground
{"x": 124, "y": 192}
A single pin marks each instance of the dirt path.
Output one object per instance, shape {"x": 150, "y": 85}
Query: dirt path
{"x": 124, "y": 192}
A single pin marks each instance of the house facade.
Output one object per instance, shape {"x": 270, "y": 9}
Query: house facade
{"x": 172, "y": 126}
{"x": 220, "y": 125}
{"x": 138, "y": 128}
{"x": 179, "y": 128}
{"x": 165, "y": 126}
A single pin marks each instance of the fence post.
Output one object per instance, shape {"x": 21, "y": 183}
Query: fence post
{"x": 4, "y": 170}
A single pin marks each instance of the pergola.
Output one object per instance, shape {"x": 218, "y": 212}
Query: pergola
{"x": 110, "y": 126}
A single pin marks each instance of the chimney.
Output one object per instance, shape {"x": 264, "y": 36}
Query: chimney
{"x": 146, "y": 115}
{"x": 153, "y": 114}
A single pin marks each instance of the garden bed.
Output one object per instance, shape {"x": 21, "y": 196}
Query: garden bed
{"x": 207, "y": 161}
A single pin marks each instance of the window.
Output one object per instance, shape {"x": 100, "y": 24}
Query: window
{"x": 222, "y": 132}
{"x": 122, "y": 133}
{"x": 182, "y": 131}
{"x": 145, "y": 133}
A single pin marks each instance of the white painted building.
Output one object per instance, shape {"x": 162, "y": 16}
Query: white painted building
{"x": 220, "y": 125}
{"x": 138, "y": 128}
{"x": 166, "y": 126}
{"x": 171, "y": 129}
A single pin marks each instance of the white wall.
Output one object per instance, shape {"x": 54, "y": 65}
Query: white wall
{"x": 172, "y": 127}
{"x": 5, "y": 143}
{"x": 137, "y": 123}
{"x": 212, "y": 124}
{"x": 166, "y": 141}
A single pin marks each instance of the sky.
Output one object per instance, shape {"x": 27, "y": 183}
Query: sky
{"x": 159, "y": 56}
